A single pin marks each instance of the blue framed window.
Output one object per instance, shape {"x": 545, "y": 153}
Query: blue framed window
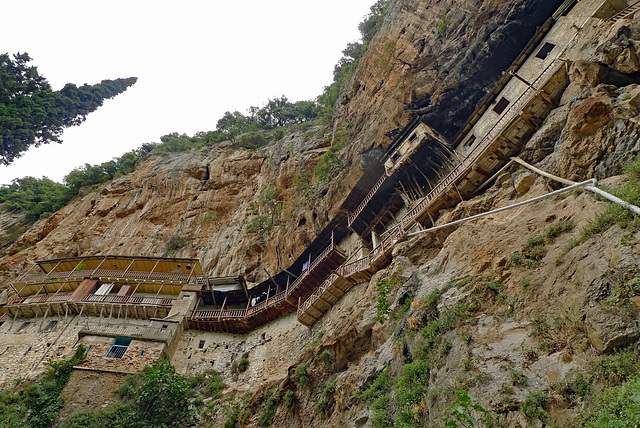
{"x": 119, "y": 347}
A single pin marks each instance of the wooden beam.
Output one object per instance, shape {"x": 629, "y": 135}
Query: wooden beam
{"x": 28, "y": 272}
{"x": 52, "y": 270}
{"x": 100, "y": 265}
{"x": 154, "y": 268}
{"x": 546, "y": 98}
{"x": 481, "y": 170}
{"x": 529, "y": 120}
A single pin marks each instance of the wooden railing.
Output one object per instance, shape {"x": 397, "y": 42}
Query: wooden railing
{"x": 482, "y": 146}
{"x": 365, "y": 262}
{"x": 627, "y": 12}
{"x": 352, "y": 216}
{"x": 218, "y": 313}
{"x": 317, "y": 293}
{"x": 136, "y": 300}
{"x": 358, "y": 265}
{"x": 109, "y": 273}
{"x": 295, "y": 284}
{"x": 242, "y": 313}
{"x": 48, "y": 298}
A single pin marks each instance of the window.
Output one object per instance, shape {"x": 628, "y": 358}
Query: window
{"x": 501, "y": 105}
{"x": 201, "y": 344}
{"x": 24, "y": 327}
{"x": 164, "y": 327}
{"x": 470, "y": 141}
{"x": 413, "y": 137}
{"x": 185, "y": 297}
{"x": 51, "y": 326}
{"x": 119, "y": 347}
{"x": 545, "y": 50}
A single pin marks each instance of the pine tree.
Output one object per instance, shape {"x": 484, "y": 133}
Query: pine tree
{"x": 31, "y": 113}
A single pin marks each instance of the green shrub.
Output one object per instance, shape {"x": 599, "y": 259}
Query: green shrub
{"x": 615, "y": 368}
{"x": 575, "y": 386}
{"x": 38, "y": 404}
{"x": 175, "y": 242}
{"x": 160, "y": 396}
{"x": 411, "y": 385}
{"x": 557, "y": 229}
{"x": 289, "y": 399}
{"x": 616, "y": 214}
{"x": 301, "y": 376}
{"x": 236, "y": 413}
{"x": 616, "y": 406}
{"x": 268, "y": 413}
{"x": 525, "y": 282}
{"x": 210, "y": 381}
{"x": 534, "y": 406}
{"x": 327, "y": 357}
{"x": 441, "y": 27}
{"x": 378, "y": 395}
{"x": 302, "y": 180}
{"x": 383, "y": 306}
{"x": 253, "y": 141}
{"x": 328, "y": 163}
{"x": 531, "y": 254}
{"x": 461, "y": 410}
{"x": 242, "y": 365}
{"x": 259, "y": 225}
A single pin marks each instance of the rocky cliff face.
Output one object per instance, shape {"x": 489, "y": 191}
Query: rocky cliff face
{"x": 437, "y": 58}
{"x": 440, "y": 56}
{"x": 196, "y": 204}
{"x": 543, "y": 300}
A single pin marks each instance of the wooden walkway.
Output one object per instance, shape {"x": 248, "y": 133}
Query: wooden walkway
{"x": 490, "y": 148}
{"x": 631, "y": 10}
{"x": 243, "y": 320}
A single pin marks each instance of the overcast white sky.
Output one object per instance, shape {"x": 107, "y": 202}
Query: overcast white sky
{"x": 194, "y": 59}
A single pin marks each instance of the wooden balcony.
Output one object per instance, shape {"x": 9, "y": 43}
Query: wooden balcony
{"x": 132, "y": 306}
{"x": 325, "y": 296}
{"x": 243, "y": 320}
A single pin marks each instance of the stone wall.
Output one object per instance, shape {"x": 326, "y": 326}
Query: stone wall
{"x": 25, "y": 348}
{"x": 270, "y": 349}
{"x": 139, "y": 354}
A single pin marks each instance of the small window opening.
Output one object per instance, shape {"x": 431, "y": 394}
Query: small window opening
{"x": 51, "y": 326}
{"x": 545, "y": 50}
{"x": 501, "y": 105}
{"x": 164, "y": 327}
{"x": 413, "y": 137}
{"x": 470, "y": 141}
{"x": 185, "y": 297}
{"x": 141, "y": 352}
{"x": 395, "y": 157}
{"x": 201, "y": 344}
{"x": 24, "y": 327}
{"x": 89, "y": 348}
{"x": 119, "y": 347}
